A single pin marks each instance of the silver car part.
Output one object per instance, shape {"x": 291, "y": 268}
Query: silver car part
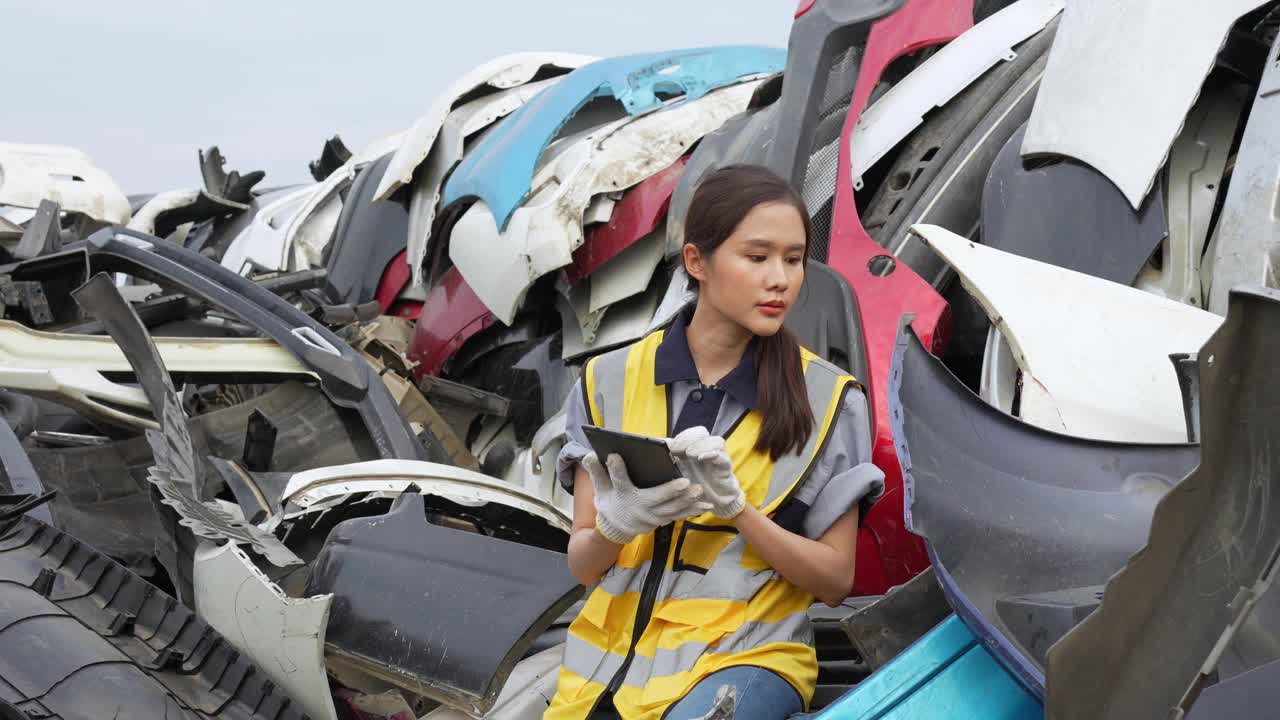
{"x": 1196, "y": 166}
{"x": 283, "y": 636}
{"x": 1121, "y": 79}
{"x": 1246, "y": 244}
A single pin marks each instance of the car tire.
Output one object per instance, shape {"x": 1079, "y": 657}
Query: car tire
{"x": 82, "y": 637}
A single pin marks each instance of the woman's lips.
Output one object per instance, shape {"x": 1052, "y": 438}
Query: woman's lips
{"x": 772, "y": 309}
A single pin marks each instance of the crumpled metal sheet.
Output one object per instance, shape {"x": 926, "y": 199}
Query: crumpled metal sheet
{"x": 1121, "y": 79}
{"x": 499, "y": 171}
{"x": 31, "y": 173}
{"x": 1168, "y": 615}
{"x": 283, "y": 636}
{"x": 1246, "y": 244}
{"x": 501, "y": 264}
{"x": 501, "y": 73}
{"x": 1064, "y": 327}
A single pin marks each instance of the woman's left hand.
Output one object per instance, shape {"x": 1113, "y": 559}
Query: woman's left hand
{"x": 701, "y": 457}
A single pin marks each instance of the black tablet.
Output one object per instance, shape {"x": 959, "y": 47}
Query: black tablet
{"x": 648, "y": 462}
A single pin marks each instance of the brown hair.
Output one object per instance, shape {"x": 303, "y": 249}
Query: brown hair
{"x": 723, "y": 198}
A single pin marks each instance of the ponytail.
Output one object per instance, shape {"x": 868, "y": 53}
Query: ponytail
{"x": 783, "y": 400}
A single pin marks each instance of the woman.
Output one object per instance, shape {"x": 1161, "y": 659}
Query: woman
{"x": 705, "y": 581}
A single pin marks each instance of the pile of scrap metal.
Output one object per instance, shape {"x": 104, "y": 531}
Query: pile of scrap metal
{"x": 1025, "y": 248}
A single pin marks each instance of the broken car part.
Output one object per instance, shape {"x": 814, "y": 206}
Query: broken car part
{"x": 371, "y": 565}
{"x": 499, "y": 172}
{"x": 1247, "y": 239}
{"x": 312, "y": 227}
{"x": 501, "y": 73}
{"x": 1022, "y": 524}
{"x": 314, "y": 489}
{"x": 69, "y": 368}
{"x": 230, "y": 186}
{"x": 948, "y": 673}
{"x": 1186, "y": 596}
{"x": 368, "y": 235}
{"x": 176, "y": 472}
{"x": 881, "y": 630}
{"x": 1034, "y": 211}
{"x": 451, "y": 315}
{"x": 32, "y": 173}
{"x": 43, "y": 234}
{"x": 502, "y": 259}
{"x": 638, "y": 214}
{"x": 1197, "y": 164}
{"x": 20, "y": 476}
{"x": 282, "y": 635}
{"x": 883, "y": 289}
{"x": 450, "y": 143}
{"x": 162, "y": 214}
{"x": 262, "y": 246}
{"x": 937, "y": 80}
{"x": 1097, "y": 103}
{"x": 344, "y": 376}
{"x": 93, "y": 636}
{"x": 333, "y": 155}
{"x": 1063, "y": 326}
{"x": 937, "y": 175}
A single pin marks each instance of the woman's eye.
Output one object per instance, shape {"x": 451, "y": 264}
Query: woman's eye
{"x": 795, "y": 260}
{"x": 756, "y": 258}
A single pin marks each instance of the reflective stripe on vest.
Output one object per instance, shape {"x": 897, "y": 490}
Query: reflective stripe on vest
{"x": 718, "y": 603}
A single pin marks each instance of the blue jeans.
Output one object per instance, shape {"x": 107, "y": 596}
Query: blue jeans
{"x": 762, "y": 695}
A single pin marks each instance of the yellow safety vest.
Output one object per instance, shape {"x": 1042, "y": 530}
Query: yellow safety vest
{"x": 650, "y": 631}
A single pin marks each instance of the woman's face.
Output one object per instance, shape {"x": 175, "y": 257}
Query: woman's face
{"x": 755, "y": 275}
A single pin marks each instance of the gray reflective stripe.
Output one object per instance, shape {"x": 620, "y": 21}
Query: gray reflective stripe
{"x": 610, "y": 386}
{"x": 726, "y": 579}
{"x": 587, "y": 661}
{"x": 620, "y": 580}
{"x": 794, "y": 628}
{"x": 820, "y": 379}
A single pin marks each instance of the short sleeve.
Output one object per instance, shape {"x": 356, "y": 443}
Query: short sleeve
{"x": 575, "y": 442}
{"x": 843, "y": 477}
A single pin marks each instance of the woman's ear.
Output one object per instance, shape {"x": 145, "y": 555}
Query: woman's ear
{"x": 693, "y": 262}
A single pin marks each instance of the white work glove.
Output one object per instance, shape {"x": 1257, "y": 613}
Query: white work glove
{"x": 701, "y": 457}
{"x": 624, "y": 511}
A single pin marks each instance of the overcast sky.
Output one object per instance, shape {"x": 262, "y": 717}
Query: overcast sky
{"x": 140, "y": 85}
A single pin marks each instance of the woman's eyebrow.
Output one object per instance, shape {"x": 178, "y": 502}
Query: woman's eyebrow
{"x": 770, "y": 244}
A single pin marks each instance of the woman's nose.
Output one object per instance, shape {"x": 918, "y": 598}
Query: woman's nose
{"x": 776, "y": 277}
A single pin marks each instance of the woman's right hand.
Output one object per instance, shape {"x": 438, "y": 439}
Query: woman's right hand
{"x": 624, "y": 511}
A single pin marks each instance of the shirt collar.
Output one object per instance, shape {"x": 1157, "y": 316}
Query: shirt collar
{"x": 674, "y": 362}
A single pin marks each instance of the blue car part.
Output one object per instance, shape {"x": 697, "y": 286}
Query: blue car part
{"x": 499, "y": 170}
{"x": 946, "y": 675}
